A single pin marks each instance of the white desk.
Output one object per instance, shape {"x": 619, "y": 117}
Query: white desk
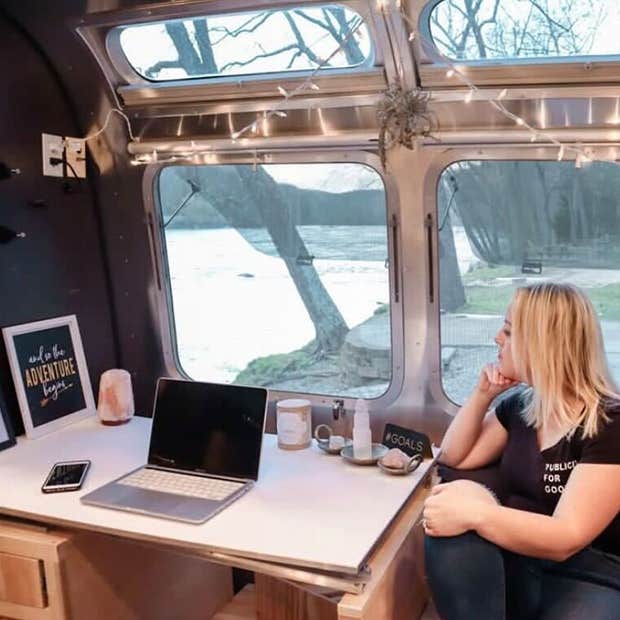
{"x": 308, "y": 510}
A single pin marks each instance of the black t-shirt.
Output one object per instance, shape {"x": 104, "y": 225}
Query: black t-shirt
{"x": 534, "y": 480}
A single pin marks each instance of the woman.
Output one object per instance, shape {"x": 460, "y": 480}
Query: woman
{"x": 551, "y": 550}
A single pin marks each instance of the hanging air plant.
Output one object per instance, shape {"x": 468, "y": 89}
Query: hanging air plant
{"x": 403, "y": 118}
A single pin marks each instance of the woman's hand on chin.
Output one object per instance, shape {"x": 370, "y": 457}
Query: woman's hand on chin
{"x": 456, "y": 507}
{"x": 492, "y": 382}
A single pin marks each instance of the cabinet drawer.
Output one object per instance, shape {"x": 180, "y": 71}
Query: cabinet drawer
{"x": 21, "y": 581}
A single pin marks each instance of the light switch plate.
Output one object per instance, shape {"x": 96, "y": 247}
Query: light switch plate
{"x": 52, "y": 147}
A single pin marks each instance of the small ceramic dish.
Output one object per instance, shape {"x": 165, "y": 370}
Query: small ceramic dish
{"x": 411, "y": 465}
{"x": 378, "y": 450}
{"x": 323, "y": 442}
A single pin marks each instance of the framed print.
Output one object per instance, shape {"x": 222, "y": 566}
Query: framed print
{"x": 7, "y": 439}
{"x": 50, "y": 374}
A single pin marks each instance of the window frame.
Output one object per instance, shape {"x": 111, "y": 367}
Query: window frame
{"x": 101, "y": 33}
{"x": 594, "y": 69}
{"x": 163, "y": 294}
{"x": 438, "y": 163}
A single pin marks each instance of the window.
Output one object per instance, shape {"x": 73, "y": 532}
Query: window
{"x": 278, "y": 275}
{"x": 257, "y": 42}
{"x": 503, "y": 224}
{"x": 513, "y": 29}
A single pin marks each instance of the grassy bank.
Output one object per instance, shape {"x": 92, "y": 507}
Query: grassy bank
{"x": 271, "y": 368}
{"x": 495, "y": 299}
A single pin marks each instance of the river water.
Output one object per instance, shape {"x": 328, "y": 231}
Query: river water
{"x": 234, "y": 301}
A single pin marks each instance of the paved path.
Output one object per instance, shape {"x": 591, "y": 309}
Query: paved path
{"x": 459, "y": 330}
{"x": 479, "y": 330}
{"x": 471, "y": 330}
{"x": 371, "y": 339}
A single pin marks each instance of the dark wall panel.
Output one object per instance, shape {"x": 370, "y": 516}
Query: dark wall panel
{"x": 118, "y": 205}
{"x": 58, "y": 268}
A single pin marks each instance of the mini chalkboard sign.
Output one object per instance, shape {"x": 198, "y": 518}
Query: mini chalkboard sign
{"x": 410, "y": 442}
{"x": 50, "y": 374}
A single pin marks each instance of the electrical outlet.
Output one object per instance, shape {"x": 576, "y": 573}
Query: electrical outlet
{"x": 52, "y": 149}
{"x": 76, "y": 157}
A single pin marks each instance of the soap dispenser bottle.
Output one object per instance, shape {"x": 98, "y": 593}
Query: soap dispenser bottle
{"x": 362, "y": 439}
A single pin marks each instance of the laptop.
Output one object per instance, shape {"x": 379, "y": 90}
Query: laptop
{"x": 204, "y": 452}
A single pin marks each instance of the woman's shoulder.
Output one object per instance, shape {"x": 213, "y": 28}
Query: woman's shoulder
{"x": 611, "y": 407}
{"x": 604, "y": 446}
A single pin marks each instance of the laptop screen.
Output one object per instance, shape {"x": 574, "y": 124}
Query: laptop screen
{"x": 208, "y": 428}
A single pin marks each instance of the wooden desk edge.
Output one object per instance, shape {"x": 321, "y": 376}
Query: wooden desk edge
{"x": 357, "y": 593}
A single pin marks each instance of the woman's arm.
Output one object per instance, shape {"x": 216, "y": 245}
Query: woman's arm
{"x": 475, "y": 437}
{"x": 589, "y": 503}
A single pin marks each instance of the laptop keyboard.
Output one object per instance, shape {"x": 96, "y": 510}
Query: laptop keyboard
{"x": 181, "y": 484}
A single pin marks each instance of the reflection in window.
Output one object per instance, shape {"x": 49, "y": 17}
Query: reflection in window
{"x": 267, "y": 41}
{"x": 504, "y": 224}
{"x": 488, "y": 29}
{"x": 278, "y": 275}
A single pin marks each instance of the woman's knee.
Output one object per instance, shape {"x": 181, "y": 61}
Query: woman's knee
{"x": 465, "y": 548}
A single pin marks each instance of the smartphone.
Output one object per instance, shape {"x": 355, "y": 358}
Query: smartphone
{"x": 66, "y": 476}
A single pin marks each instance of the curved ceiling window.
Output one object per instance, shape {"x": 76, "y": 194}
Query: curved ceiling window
{"x": 257, "y": 42}
{"x": 522, "y": 29}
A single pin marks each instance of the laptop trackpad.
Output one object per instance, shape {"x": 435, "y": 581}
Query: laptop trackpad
{"x": 195, "y": 510}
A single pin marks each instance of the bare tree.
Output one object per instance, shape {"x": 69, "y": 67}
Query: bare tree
{"x": 512, "y": 209}
{"x": 234, "y": 191}
{"x": 479, "y": 29}
{"x": 196, "y": 42}
{"x": 195, "y": 56}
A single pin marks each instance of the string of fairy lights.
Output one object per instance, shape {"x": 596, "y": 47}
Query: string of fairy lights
{"x": 261, "y": 123}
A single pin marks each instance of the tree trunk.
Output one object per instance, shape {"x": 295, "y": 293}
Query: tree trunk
{"x": 330, "y": 326}
{"x": 204, "y": 45}
{"x": 188, "y": 57}
{"x": 451, "y": 291}
{"x": 547, "y": 232}
{"x": 580, "y": 215}
{"x": 229, "y": 189}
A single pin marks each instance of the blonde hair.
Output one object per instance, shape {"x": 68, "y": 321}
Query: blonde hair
{"x": 558, "y": 349}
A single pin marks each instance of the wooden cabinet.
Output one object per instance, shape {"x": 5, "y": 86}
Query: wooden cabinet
{"x": 48, "y": 574}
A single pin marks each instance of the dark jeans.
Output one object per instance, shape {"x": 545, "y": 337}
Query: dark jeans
{"x": 473, "y": 579}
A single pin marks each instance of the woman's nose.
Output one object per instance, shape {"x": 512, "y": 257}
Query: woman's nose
{"x": 498, "y": 338}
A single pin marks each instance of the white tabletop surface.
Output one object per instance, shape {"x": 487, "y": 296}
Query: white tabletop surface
{"x": 308, "y": 509}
